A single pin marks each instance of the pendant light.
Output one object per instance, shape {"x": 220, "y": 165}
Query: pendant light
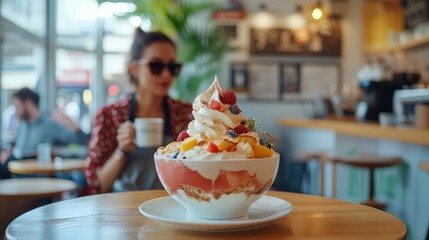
{"x": 296, "y": 20}
{"x": 317, "y": 12}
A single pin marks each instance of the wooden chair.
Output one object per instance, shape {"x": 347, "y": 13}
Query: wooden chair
{"x": 370, "y": 162}
{"x": 20, "y": 195}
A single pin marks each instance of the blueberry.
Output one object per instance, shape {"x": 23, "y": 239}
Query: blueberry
{"x": 262, "y": 141}
{"x": 174, "y": 155}
{"x": 235, "y": 109}
{"x": 232, "y": 134}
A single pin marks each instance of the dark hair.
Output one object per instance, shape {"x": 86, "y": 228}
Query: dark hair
{"x": 25, "y": 94}
{"x": 142, "y": 40}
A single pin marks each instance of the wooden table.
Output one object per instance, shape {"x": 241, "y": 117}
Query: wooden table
{"x": 35, "y": 187}
{"x": 20, "y": 195}
{"x": 116, "y": 216}
{"x": 31, "y": 166}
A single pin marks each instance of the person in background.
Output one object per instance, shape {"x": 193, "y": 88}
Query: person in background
{"x": 114, "y": 162}
{"x": 35, "y": 128}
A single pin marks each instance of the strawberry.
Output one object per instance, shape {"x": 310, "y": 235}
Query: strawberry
{"x": 211, "y": 147}
{"x": 241, "y": 129}
{"x": 228, "y": 97}
{"x": 182, "y": 136}
{"x": 215, "y": 105}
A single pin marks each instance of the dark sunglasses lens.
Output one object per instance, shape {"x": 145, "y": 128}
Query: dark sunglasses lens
{"x": 174, "y": 68}
{"x": 156, "y": 68}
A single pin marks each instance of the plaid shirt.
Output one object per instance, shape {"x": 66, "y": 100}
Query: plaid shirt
{"x": 103, "y": 138}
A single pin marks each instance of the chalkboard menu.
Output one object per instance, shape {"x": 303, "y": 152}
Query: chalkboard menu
{"x": 416, "y": 12}
{"x": 321, "y": 42}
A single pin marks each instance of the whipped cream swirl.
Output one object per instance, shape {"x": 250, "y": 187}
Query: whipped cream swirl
{"x": 211, "y": 124}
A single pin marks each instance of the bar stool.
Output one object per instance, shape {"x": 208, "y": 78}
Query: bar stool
{"x": 370, "y": 162}
{"x": 20, "y": 195}
{"x": 322, "y": 158}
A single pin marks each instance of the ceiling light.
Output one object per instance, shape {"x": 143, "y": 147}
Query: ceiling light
{"x": 296, "y": 20}
{"x": 317, "y": 11}
{"x": 263, "y": 19}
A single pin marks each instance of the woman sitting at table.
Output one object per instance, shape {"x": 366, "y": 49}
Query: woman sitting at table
{"x": 114, "y": 162}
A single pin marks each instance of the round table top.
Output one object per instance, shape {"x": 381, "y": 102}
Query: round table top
{"x": 116, "y": 216}
{"x": 35, "y": 187}
{"x": 31, "y": 166}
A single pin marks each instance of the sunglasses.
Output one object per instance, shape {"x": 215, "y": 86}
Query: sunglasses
{"x": 156, "y": 68}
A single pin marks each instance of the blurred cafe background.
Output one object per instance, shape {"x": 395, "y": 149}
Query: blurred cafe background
{"x": 332, "y": 80}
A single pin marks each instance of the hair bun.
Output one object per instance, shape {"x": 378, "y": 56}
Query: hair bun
{"x": 138, "y": 31}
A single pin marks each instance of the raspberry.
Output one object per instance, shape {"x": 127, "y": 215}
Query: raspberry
{"x": 241, "y": 129}
{"x": 211, "y": 147}
{"x": 215, "y": 105}
{"x": 182, "y": 136}
{"x": 228, "y": 97}
{"x": 234, "y": 109}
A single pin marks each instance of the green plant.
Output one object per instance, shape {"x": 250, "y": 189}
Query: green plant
{"x": 200, "y": 45}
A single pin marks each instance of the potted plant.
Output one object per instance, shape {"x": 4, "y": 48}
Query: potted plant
{"x": 200, "y": 46}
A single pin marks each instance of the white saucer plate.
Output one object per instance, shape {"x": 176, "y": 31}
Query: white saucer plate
{"x": 167, "y": 210}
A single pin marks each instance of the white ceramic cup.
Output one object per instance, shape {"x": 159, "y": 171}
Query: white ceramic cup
{"x": 44, "y": 153}
{"x": 149, "y": 132}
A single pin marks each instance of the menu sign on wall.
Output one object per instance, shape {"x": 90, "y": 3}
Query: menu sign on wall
{"x": 320, "y": 42}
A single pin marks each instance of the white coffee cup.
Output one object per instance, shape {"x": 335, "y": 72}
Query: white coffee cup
{"x": 149, "y": 132}
{"x": 44, "y": 152}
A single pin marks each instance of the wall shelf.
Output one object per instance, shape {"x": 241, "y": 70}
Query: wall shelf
{"x": 400, "y": 47}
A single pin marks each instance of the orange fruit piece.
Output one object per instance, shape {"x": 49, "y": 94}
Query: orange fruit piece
{"x": 262, "y": 151}
{"x": 251, "y": 140}
{"x": 226, "y": 145}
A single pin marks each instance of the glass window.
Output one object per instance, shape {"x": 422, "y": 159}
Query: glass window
{"x": 75, "y": 58}
{"x": 22, "y": 66}
{"x": 74, "y": 72}
{"x": 117, "y": 42}
{"x": 114, "y": 43}
{"x": 30, "y": 15}
{"x": 76, "y": 23}
{"x": 115, "y": 76}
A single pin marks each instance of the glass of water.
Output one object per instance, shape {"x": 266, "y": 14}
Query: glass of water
{"x": 44, "y": 153}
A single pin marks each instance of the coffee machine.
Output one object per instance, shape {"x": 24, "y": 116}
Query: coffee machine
{"x": 405, "y": 102}
{"x": 379, "y": 95}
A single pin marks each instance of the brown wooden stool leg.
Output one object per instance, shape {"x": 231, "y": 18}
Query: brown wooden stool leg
{"x": 334, "y": 179}
{"x": 371, "y": 201}
{"x": 322, "y": 177}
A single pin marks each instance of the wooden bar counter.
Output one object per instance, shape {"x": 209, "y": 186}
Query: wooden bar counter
{"x": 361, "y": 129}
{"x": 403, "y": 187}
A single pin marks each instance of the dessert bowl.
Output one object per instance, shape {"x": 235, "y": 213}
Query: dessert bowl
{"x": 217, "y": 189}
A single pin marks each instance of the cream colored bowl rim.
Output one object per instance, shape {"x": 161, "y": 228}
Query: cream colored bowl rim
{"x": 276, "y": 156}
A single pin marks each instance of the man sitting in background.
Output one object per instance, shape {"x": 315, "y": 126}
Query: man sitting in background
{"x": 35, "y": 128}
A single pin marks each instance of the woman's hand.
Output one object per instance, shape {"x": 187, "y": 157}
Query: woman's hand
{"x": 125, "y": 136}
